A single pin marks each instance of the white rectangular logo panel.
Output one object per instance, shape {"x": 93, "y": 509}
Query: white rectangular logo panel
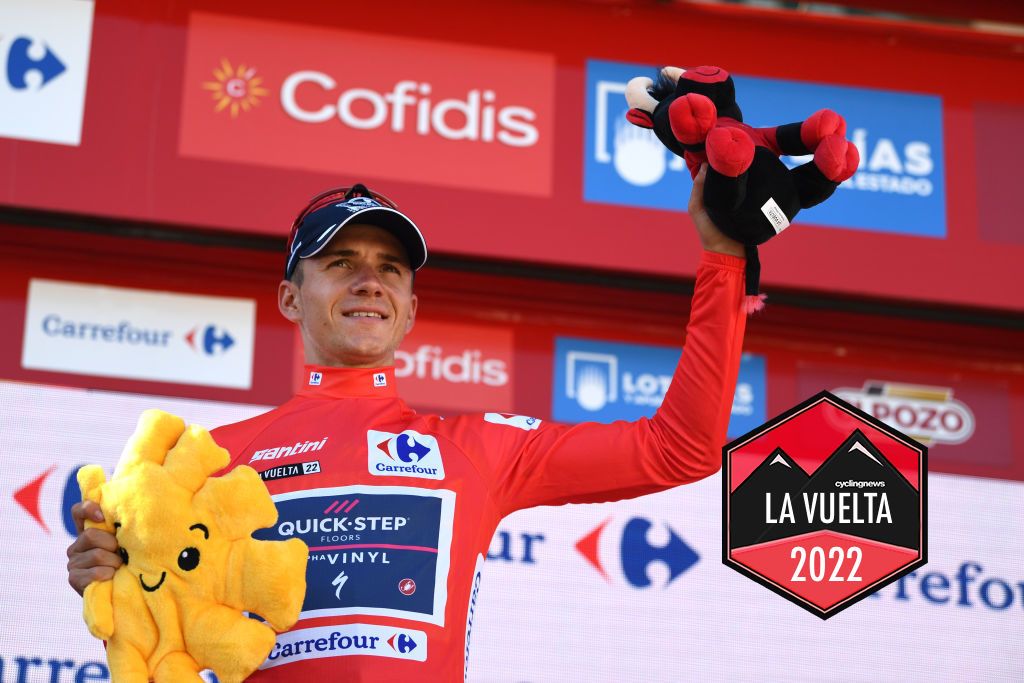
{"x": 44, "y": 61}
{"x": 349, "y": 639}
{"x": 409, "y": 454}
{"x": 139, "y": 334}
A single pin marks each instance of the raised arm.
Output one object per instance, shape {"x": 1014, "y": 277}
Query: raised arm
{"x": 591, "y": 462}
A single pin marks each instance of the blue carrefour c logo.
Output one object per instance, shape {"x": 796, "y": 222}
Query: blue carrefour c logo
{"x": 409, "y": 449}
{"x": 636, "y": 553}
{"x": 402, "y": 643}
{"x": 899, "y": 186}
{"x": 211, "y": 340}
{"x": 20, "y": 64}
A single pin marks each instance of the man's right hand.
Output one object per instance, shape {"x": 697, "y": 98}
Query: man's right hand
{"x": 93, "y": 556}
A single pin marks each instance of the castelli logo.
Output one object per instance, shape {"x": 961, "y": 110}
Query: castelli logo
{"x": 408, "y": 108}
{"x": 465, "y": 367}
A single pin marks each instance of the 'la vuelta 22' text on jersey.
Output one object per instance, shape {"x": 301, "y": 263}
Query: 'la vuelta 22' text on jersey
{"x": 398, "y": 509}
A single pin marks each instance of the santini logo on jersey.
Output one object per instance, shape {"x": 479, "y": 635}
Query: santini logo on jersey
{"x": 285, "y": 451}
{"x": 409, "y": 454}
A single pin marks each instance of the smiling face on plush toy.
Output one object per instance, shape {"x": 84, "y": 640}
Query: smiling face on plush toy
{"x": 186, "y": 541}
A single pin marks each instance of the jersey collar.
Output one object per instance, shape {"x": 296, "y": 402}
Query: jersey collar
{"x": 324, "y": 382}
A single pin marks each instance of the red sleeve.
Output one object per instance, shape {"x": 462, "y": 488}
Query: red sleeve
{"x": 590, "y": 462}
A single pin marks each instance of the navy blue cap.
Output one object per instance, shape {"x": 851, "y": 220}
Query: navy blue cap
{"x": 329, "y": 212}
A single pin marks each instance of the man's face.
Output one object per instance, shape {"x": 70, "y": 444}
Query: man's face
{"x": 355, "y": 302}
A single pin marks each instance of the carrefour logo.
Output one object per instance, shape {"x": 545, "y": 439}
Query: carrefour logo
{"x": 44, "y": 61}
{"x": 899, "y": 186}
{"x": 612, "y": 548}
{"x": 27, "y": 71}
{"x": 607, "y": 381}
{"x": 408, "y": 454}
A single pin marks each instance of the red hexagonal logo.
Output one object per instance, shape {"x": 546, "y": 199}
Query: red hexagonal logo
{"x": 824, "y": 505}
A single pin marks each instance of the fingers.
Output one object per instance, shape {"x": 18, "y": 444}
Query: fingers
{"x": 92, "y": 557}
{"x": 79, "y": 579}
{"x": 84, "y": 510}
{"x": 696, "y": 203}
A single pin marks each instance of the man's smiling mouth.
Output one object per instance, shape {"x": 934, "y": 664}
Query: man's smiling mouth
{"x": 163, "y": 575}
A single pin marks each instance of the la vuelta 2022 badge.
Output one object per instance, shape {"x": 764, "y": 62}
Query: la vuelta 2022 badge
{"x": 824, "y": 505}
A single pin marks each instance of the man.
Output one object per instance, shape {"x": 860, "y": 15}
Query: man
{"x": 398, "y": 508}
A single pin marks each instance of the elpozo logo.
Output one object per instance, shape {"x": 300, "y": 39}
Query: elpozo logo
{"x": 925, "y": 413}
{"x": 408, "y": 454}
{"x": 899, "y": 186}
{"x": 487, "y": 111}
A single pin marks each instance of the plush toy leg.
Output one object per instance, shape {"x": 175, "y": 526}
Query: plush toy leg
{"x": 232, "y": 645}
{"x": 821, "y": 124}
{"x": 730, "y": 151}
{"x": 177, "y": 667}
{"x": 272, "y": 582}
{"x": 126, "y": 663}
{"x": 691, "y": 118}
{"x": 836, "y": 157}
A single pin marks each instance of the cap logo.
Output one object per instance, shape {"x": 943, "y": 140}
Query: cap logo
{"x": 358, "y": 204}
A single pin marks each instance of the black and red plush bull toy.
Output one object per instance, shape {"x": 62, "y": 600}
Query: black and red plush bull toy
{"x": 749, "y": 193}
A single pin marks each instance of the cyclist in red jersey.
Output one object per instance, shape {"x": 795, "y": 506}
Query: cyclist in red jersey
{"x": 398, "y": 509}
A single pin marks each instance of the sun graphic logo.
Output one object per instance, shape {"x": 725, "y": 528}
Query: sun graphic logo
{"x": 235, "y": 88}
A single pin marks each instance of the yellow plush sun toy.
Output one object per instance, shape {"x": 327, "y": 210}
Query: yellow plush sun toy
{"x": 191, "y": 565}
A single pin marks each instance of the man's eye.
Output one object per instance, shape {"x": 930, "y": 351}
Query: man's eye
{"x": 341, "y": 262}
{"x": 390, "y": 268}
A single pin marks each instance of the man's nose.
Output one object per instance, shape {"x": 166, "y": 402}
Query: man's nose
{"x": 367, "y": 281}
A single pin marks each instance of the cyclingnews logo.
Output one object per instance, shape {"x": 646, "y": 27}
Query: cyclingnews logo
{"x": 409, "y": 454}
{"x": 606, "y": 381}
{"x": 310, "y": 103}
{"x": 824, "y": 505}
{"x": 899, "y": 186}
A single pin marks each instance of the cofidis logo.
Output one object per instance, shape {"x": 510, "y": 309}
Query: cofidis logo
{"x": 339, "y": 101}
{"x": 898, "y": 188}
{"x": 606, "y": 381}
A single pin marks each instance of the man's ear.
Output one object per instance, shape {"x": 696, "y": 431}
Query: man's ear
{"x": 288, "y": 301}
{"x": 412, "y": 314}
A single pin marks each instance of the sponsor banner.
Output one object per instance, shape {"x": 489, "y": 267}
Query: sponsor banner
{"x": 602, "y": 381}
{"x": 898, "y": 188}
{"x": 139, "y": 334}
{"x": 345, "y": 640}
{"x": 44, "y": 61}
{"x": 956, "y": 618}
{"x": 964, "y": 417}
{"x": 58, "y": 430}
{"x": 451, "y": 366}
{"x": 335, "y": 101}
{"x": 373, "y": 550}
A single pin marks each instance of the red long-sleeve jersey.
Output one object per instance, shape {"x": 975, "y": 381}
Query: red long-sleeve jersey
{"x": 398, "y": 509}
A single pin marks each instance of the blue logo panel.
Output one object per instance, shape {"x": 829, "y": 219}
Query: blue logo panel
{"x": 898, "y": 188}
{"x": 599, "y": 381}
{"x": 383, "y": 553}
